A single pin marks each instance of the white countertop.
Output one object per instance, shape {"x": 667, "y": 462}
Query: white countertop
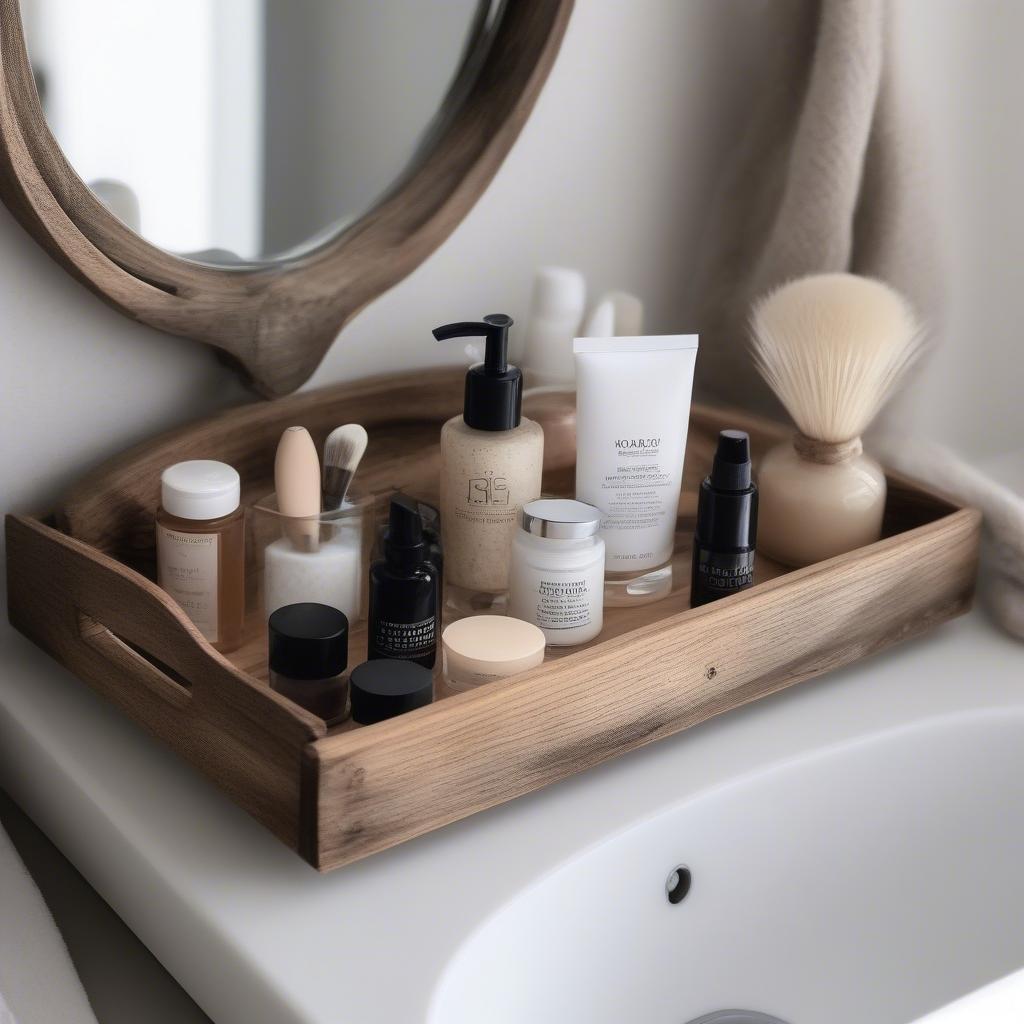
{"x": 255, "y": 935}
{"x": 1002, "y": 1002}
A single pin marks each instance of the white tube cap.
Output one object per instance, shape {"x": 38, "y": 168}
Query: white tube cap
{"x": 201, "y": 489}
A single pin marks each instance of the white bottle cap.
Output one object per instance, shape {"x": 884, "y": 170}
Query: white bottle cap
{"x": 559, "y": 291}
{"x": 201, "y": 489}
{"x": 561, "y": 519}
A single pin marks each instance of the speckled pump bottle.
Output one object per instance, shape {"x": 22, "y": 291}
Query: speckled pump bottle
{"x": 491, "y": 462}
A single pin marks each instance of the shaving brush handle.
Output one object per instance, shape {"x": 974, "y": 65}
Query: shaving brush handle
{"x": 812, "y": 510}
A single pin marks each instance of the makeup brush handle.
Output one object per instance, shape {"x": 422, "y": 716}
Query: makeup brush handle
{"x": 297, "y": 482}
{"x": 335, "y": 487}
{"x": 303, "y": 533}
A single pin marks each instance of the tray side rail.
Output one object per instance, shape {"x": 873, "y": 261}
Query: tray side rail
{"x": 130, "y": 642}
{"x": 379, "y": 787}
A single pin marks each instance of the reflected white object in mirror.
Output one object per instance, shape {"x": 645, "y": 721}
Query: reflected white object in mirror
{"x": 248, "y": 129}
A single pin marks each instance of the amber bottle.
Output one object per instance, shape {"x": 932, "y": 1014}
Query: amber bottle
{"x": 200, "y": 545}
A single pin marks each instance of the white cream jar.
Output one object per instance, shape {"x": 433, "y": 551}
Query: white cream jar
{"x": 557, "y": 574}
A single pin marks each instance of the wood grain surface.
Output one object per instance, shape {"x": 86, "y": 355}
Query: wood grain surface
{"x": 82, "y": 592}
{"x": 276, "y": 320}
{"x": 132, "y": 644}
{"x": 420, "y": 771}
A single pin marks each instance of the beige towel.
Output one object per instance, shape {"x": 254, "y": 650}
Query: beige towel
{"x": 826, "y": 178}
{"x": 823, "y": 180}
{"x": 1003, "y": 509}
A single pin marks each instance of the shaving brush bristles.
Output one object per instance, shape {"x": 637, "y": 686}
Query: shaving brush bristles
{"x": 832, "y": 347}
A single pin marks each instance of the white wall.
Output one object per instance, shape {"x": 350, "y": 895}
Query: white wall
{"x": 963, "y": 66}
{"x": 611, "y": 174}
{"x": 614, "y": 168}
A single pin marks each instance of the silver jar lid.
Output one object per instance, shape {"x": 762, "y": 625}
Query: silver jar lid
{"x": 561, "y": 519}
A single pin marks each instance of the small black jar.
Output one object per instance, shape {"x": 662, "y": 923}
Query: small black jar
{"x": 383, "y": 689}
{"x": 308, "y": 657}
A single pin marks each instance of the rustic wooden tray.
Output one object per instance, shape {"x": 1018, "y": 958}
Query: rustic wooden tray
{"x": 81, "y": 587}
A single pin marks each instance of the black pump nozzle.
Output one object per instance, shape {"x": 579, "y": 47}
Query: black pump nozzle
{"x": 494, "y": 327}
{"x": 731, "y": 468}
{"x": 494, "y": 389}
{"x": 726, "y": 532}
{"x": 404, "y": 542}
{"x": 405, "y": 528}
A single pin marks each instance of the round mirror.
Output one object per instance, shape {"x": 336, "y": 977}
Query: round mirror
{"x": 237, "y": 132}
{"x": 250, "y": 173}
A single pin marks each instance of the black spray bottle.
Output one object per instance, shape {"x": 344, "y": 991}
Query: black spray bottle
{"x": 404, "y": 591}
{"x": 723, "y": 546}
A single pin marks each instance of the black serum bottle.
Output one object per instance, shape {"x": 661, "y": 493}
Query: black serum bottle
{"x": 404, "y": 591}
{"x": 723, "y": 545}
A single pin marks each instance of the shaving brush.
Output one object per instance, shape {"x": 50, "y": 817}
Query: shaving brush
{"x": 832, "y": 347}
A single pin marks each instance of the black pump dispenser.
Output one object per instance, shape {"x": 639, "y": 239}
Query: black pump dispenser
{"x": 494, "y": 388}
{"x": 404, "y": 544}
{"x": 404, "y": 591}
{"x": 731, "y": 469}
{"x": 726, "y": 534}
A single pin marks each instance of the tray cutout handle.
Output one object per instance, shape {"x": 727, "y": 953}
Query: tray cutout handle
{"x": 157, "y": 676}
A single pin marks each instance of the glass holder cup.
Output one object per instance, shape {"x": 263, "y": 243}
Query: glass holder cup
{"x": 322, "y": 558}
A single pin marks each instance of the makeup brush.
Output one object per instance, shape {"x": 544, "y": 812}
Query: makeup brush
{"x": 832, "y": 347}
{"x": 297, "y": 483}
{"x": 343, "y": 451}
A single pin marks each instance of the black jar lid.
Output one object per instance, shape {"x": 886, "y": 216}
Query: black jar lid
{"x": 308, "y": 641}
{"x": 386, "y": 687}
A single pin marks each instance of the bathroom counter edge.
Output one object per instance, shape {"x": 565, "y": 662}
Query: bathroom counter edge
{"x": 202, "y": 883}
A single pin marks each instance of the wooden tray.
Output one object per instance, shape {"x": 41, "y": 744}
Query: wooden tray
{"x": 80, "y": 586}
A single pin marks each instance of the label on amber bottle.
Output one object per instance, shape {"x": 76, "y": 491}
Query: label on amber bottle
{"x": 187, "y": 570}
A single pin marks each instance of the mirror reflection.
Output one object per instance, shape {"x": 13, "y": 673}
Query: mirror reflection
{"x": 237, "y": 131}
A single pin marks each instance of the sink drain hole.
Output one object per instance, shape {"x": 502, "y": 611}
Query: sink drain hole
{"x": 737, "y": 1017}
{"x": 677, "y": 885}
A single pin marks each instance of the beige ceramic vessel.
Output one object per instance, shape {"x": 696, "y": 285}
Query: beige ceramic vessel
{"x": 811, "y": 510}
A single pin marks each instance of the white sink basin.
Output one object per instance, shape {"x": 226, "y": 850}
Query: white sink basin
{"x": 869, "y": 882}
{"x": 856, "y": 847}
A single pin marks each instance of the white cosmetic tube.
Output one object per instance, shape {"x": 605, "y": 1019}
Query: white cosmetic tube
{"x": 632, "y": 414}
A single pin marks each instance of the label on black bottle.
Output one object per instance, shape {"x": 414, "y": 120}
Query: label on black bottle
{"x": 718, "y": 574}
{"x": 405, "y": 640}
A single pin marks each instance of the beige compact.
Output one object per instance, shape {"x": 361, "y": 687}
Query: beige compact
{"x": 482, "y": 648}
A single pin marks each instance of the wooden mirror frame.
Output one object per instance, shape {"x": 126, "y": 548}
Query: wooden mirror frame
{"x": 275, "y": 320}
